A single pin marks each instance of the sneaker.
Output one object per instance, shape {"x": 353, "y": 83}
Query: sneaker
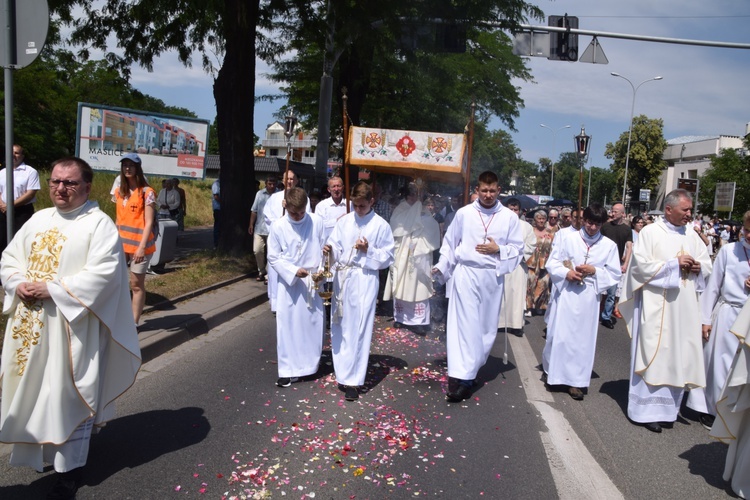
{"x": 527, "y": 313}
{"x": 707, "y": 421}
{"x": 351, "y": 393}
{"x": 286, "y": 381}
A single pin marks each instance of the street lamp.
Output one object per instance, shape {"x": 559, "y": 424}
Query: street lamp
{"x": 554, "y": 152}
{"x": 583, "y": 142}
{"x": 630, "y": 129}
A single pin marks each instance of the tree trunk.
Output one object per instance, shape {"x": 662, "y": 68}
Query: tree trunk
{"x": 234, "y": 91}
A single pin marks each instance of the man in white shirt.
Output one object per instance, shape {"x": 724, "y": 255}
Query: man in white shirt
{"x": 333, "y": 208}
{"x": 25, "y": 186}
{"x": 258, "y": 228}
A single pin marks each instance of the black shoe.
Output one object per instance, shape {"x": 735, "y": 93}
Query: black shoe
{"x": 462, "y": 392}
{"x": 544, "y": 378}
{"x": 66, "y": 486}
{"x": 351, "y": 393}
{"x": 653, "y": 427}
{"x": 286, "y": 381}
{"x": 607, "y": 323}
{"x": 575, "y": 393}
{"x": 707, "y": 421}
{"x": 398, "y": 325}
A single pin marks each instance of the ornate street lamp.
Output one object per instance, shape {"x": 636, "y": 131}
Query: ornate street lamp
{"x": 554, "y": 153}
{"x": 583, "y": 142}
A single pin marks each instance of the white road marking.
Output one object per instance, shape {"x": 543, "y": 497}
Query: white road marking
{"x": 576, "y": 473}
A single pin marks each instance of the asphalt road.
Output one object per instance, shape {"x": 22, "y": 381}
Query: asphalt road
{"x": 206, "y": 419}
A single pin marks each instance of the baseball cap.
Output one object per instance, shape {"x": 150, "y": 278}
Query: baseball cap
{"x": 132, "y": 157}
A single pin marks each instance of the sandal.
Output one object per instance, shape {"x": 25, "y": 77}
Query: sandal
{"x": 259, "y": 278}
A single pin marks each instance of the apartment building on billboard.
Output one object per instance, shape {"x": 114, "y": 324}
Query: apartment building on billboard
{"x": 115, "y": 131}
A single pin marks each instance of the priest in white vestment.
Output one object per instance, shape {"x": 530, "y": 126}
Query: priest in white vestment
{"x": 416, "y": 235}
{"x": 71, "y": 346}
{"x": 668, "y": 268}
{"x": 732, "y": 425}
{"x": 295, "y": 251}
{"x": 582, "y": 266}
{"x": 273, "y": 211}
{"x": 726, "y": 292}
{"x": 361, "y": 245}
{"x": 517, "y": 281}
{"x": 483, "y": 244}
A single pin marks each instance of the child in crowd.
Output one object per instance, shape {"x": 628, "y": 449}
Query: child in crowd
{"x": 361, "y": 244}
{"x": 294, "y": 251}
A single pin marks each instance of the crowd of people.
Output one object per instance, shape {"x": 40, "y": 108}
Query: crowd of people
{"x": 679, "y": 287}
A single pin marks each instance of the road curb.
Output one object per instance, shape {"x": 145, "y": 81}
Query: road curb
{"x": 157, "y": 342}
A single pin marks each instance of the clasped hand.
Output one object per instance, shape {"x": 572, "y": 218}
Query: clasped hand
{"x": 687, "y": 263}
{"x": 489, "y": 247}
{"x": 32, "y": 290}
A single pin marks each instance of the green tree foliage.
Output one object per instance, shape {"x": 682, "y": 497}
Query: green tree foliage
{"x": 393, "y": 80}
{"x": 46, "y": 96}
{"x": 604, "y": 188}
{"x": 363, "y": 37}
{"x": 223, "y": 36}
{"x": 647, "y": 146}
{"x": 729, "y": 166}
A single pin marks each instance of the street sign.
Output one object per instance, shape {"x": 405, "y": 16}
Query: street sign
{"x": 724, "y": 197}
{"x": 531, "y": 44}
{"x": 594, "y": 54}
{"x": 31, "y": 19}
{"x": 644, "y": 195}
{"x": 689, "y": 185}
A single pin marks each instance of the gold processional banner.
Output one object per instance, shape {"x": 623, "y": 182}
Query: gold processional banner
{"x": 432, "y": 155}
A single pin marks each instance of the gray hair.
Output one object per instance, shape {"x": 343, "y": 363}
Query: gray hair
{"x": 674, "y": 197}
{"x": 540, "y": 212}
{"x": 566, "y": 211}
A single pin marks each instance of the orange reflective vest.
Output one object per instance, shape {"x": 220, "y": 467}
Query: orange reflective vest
{"x": 131, "y": 219}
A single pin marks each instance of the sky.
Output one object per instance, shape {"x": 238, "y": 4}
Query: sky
{"x": 704, "y": 90}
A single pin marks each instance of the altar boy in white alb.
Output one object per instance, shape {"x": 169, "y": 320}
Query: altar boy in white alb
{"x": 483, "y": 244}
{"x": 295, "y": 249}
{"x": 361, "y": 244}
{"x": 582, "y": 266}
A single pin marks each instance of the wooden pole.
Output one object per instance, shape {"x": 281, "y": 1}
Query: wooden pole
{"x": 468, "y": 155}
{"x": 345, "y": 142}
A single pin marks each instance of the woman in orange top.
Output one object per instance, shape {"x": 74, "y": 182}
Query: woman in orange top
{"x": 136, "y": 209}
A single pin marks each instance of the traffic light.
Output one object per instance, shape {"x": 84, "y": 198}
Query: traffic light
{"x": 563, "y": 46}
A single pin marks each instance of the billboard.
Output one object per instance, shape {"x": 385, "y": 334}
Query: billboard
{"x": 169, "y": 146}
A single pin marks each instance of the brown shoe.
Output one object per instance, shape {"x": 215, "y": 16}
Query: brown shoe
{"x": 617, "y": 314}
{"x": 575, "y": 393}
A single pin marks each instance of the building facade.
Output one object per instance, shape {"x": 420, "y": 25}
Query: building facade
{"x": 689, "y": 157}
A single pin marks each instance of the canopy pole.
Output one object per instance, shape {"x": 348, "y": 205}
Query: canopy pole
{"x": 345, "y": 141}
{"x": 467, "y": 181}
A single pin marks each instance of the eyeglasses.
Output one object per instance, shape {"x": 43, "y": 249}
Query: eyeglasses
{"x": 55, "y": 183}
